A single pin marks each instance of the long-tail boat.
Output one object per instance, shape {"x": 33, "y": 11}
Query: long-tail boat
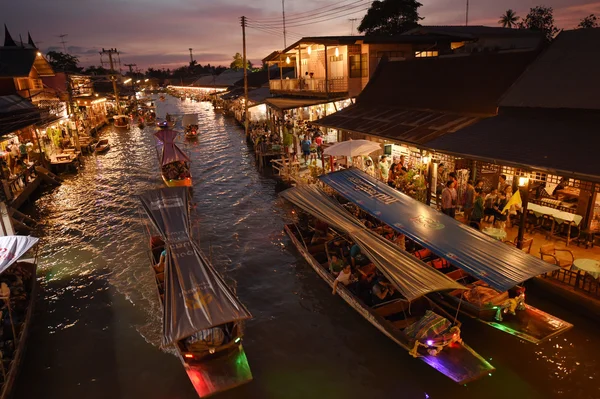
{"x": 175, "y": 164}
{"x": 492, "y": 271}
{"x": 202, "y": 317}
{"x": 410, "y": 319}
{"x": 17, "y": 297}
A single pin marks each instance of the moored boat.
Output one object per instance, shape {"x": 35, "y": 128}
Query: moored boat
{"x": 121, "y": 121}
{"x": 408, "y": 317}
{"x": 492, "y": 271}
{"x": 175, "y": 164}
{"x": 17, "y": 294}
{"x": 102, "y": 146}
{"x": 208, "y": 339}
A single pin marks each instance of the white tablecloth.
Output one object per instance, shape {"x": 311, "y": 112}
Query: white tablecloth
{"x": 559, "y": 216}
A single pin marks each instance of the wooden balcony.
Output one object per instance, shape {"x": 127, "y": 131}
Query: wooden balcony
{"x": 316, "y": 87}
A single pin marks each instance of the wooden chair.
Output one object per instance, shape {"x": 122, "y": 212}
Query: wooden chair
{"x": 527, "y": 243}
{"x": 549, "y": 253}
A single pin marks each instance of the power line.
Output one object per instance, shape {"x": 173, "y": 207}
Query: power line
{"x": 311, "y": 12}
{"x": 313, "y": 21}
{"x": 272, "y": 31}
{"x": 331, "y": 13}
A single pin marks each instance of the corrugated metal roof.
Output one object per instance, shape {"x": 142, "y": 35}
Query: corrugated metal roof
{"x": 564, "y": 141}
{"x": 564, "y": 76}
{"x": 402, "y": 124}
{"x": 16, "y": 113}
{"x": 283, "y": 103}
{"x": 224, "y": 79}
{"x": 17, "y": 62}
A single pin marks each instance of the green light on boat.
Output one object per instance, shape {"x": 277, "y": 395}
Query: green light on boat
{"x": 238, "y": 339}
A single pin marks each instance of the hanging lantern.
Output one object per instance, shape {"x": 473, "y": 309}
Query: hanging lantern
{"x": 309, "y": 49}
{"x": 337, "y": 52}
{"x": 287, "y": 60}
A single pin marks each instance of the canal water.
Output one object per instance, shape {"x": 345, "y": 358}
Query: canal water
{"x": 97, "y": 323}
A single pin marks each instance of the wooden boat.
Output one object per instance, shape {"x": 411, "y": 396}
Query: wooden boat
{"x": 485, "y": 264}
{"x": 17, "y": 312}
{"x": 190, "y": 124}
{"x": 456, "y": 360}
{"x": 121, "y": 121}
{"x": 102, "y": 146}
{"x": 210, "y": 350}
{"x": 506, "y": 311}
{"x": 175, "y": 164}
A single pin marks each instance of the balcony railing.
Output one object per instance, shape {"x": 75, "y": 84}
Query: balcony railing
{"x": 314, "y": 85}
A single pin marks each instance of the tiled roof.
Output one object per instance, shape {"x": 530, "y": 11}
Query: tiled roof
{"x": 564, "y": 76}
{"x": 563, "y": 141}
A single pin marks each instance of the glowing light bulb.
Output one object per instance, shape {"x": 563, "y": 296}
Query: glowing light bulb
{"x": 429, "y": 342}
{"x": 287, "y": 60}
{"x": 337, "y": 52}
{"x": 309, "y": 50}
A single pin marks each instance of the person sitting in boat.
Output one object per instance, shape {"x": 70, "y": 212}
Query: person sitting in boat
{"x": 336, "y": 265}
{"x": 382, "y": 290}
{"x": 356, "y": 256}
{"x": 346, "y": 278}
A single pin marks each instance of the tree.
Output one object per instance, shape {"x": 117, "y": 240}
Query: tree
{"x": 238, "y": 62}
{"x": 591, "y": 21}
{"x": 509, "y": 19}
{"x": 390, "y": 17}
{"x": 96, "y": 70}
{"x": 540, "y": 18}
{"x": 63, "y": 62}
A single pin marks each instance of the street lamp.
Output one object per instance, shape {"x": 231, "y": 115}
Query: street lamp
{"x": 523, "y": 184}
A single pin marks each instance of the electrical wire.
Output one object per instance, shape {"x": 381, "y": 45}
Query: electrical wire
{"x": 332, "y": 13}
{"x": 309, "y": 12}
{"x": 319, "y": 20}
{"x": 275, "y": 32}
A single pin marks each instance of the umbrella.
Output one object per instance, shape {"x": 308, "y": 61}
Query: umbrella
{"x": 352, "y": 148}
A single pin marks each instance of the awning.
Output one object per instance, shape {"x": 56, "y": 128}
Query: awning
{"x": 17, "y": 113}
{"x": 12, "y": 248}
{"x": 499, "y": 265}
{"x": 562, "y": 142}
{"x": 167, "y": 147}
{"x": 258, "y": 96}
{"x": 285, "y": 103}
{"x": 396, "y": 123}
{"x": 196, "y": 297}
{"x": 410, "y": 276}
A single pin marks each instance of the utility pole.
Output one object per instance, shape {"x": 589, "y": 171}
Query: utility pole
{"x": 353, "y": 20}
{"x": 62, "y": 40}
{"x": 132, "y": 76}
{"x": 245, "y": 66}
{"x": 467, "y": 15}
{"x": 113, "y": 76}
{"x": 191, "y": 56}
{"x": 284, "y": 33}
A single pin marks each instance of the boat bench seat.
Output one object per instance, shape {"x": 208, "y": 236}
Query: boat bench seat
{"x": 457, "y": 274}
{"x": 402, "y": 324}
{"x": 391, "y": 308}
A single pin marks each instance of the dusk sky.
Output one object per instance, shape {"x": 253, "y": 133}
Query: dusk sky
{"x": 158, "y": 33}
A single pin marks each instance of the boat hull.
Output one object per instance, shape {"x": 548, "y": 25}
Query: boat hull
{"x": 530, "y": 324}
{"x": 187, "y": 182}
{"x": 225, "y": 370}
{"x": 15, "y": 364}
{"x": 460, "y": 363}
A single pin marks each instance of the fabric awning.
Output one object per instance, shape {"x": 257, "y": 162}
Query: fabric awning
{"x": 196, "y": 297}
{"x": 410, "y": 276}
{"x": 12, "y": 248}
{"x": 169, "y": 152}
{"x": 499, "y": 265}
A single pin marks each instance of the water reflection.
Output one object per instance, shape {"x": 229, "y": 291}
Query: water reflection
{"x": 97, "y": 324}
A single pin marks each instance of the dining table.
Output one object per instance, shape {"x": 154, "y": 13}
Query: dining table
{"x": 558, "y": 218}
